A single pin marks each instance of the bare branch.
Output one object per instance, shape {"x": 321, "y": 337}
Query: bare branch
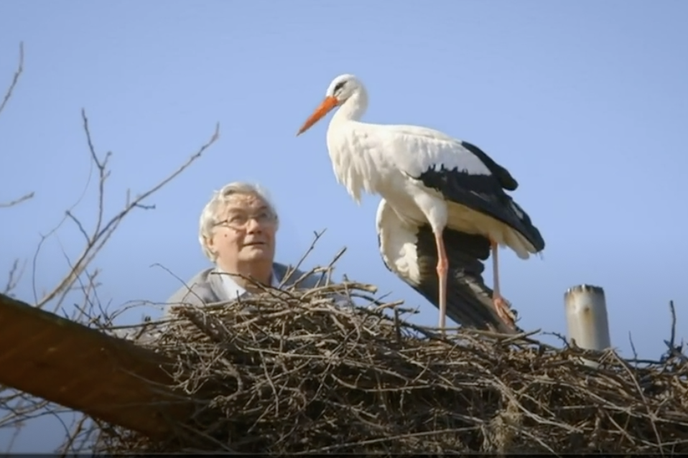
{"x": 54, "y": 229}
{"x": 73, "y": 435}
{"x": 291, "y": 271}
{"x": 17, "y": 408}
{"x": 383, "y": 384}
{"x": 14, "y": 276}
{"x": 20, "y": 69}
{"x": 102, "y": 232}
{"x": 14, "y": 202}
{"x": 674, "y": 351}
{"x": 630, "y": 340}
{"x": 8, "y": 95}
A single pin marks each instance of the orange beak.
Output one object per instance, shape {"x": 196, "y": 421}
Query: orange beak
{"x": 325, "y": 107}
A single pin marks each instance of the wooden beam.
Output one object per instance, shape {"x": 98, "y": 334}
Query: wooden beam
{"x": 81, "y": 368}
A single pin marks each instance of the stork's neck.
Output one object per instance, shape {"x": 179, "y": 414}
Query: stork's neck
{"x": 350, "y": 149}
{"x": 354, "y": 107}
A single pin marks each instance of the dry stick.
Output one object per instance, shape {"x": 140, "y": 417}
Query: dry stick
{"x": 101, "y": 235}
{"x": 279, "y": 289}
{"x": 57, "y": 226}
{"x": 281, "y": 343}
{"x": 650, "y": 414}
{"x": 673, "y": 327}
{"x": 674, "y": 351}
{"x": 303, "y": 258}
{"x": 73, "y": 435}
{"x": 630, "y": 341}
{"x": 8, "y": 96}
{"x": 331, "y": 265}
{"x": 17, "y": 201}
{"x": 189, "y": 290}
{"x": 13, "y": 277}
{"x": 323, "y": 270}
{"x": 67, "y": 285}
{"x": 15, "y": 79}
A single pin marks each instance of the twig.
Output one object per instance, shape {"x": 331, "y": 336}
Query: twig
{"x": 317, "y": 377}
{"x": 102, "y": 232}
{"x": 630, "y": 340}
{"x": 15, "y": 79}
{"x": 289, "y": 273}
{"x": 13, "y": 277}
{"x": 14, "y": 202}
{"x": 81, "y": 277}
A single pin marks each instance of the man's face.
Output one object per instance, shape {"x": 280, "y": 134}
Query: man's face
{"x": 245, "y": 232}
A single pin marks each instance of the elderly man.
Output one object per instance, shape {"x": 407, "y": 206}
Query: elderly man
{"x": 237, "y": 232}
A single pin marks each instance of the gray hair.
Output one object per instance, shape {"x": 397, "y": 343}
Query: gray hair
{"x": 209, "y": 216}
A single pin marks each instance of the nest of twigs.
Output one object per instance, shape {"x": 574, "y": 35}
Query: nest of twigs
{"x": 289, "y": 372}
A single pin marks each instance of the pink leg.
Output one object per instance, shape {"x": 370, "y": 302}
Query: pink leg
{"x": 442, "y": 268}
{"x": 501, "y": 305}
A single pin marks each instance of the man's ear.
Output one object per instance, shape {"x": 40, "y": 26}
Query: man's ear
{"x": 209, "y": 243}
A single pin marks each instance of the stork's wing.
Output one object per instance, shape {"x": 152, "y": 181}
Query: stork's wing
{"x": 500, "y": 173}
{"x": 410, "y": 253}
{"x": 482, "y": 195}
{"x": 437, "y": 147}
{"x": 458, "y": 170}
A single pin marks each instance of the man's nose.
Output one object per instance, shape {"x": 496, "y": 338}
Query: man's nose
{"x": 253, "y": 226}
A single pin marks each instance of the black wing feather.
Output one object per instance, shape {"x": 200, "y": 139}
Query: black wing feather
{"x": 483, "y": 193}
{"x": 505, "y": 179}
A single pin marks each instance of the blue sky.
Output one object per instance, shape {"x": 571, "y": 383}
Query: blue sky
{"x": 584, "y": 102}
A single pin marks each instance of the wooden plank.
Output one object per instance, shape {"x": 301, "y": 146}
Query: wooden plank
{"x": 83, "y": 369}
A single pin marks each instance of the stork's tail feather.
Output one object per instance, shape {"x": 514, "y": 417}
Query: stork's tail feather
{"x": 526, "y": 228}
{"x": 469, "y": 300}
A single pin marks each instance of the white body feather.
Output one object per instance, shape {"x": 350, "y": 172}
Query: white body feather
{"x": 397, "y": 243}
{"x": 383, "y": 159}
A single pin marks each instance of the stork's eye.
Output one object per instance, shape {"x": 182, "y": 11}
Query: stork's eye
{"x": 339, "y": 86}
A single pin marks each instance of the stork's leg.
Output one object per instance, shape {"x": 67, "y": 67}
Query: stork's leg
{"x": 442, "y": 268}
{"x": 501, "y": 305}
{"x": 495, "y": 268}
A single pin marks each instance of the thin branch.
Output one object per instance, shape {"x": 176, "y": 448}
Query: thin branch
{"x": 20, "y": 69}
{"x": 376, "y": 386}
{"x": 14, "y": 276}
{"x": 71, "y": 438}
{"x": 291, "y": 271}
{"x": 674, "y": 351}
{"x": 14, "y": 202}
{"x": 630, "y": 340}
{"x": 102, "y": 232}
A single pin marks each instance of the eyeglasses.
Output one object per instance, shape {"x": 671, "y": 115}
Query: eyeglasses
{"x": 240, "y": 220}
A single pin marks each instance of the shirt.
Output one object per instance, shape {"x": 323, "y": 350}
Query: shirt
{"x": 233, "y": 290}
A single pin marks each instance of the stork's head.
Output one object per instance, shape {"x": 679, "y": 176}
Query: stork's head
{"x": 339, "y": 91}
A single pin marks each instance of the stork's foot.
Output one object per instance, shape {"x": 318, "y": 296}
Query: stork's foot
{"x": 503, "y": 308}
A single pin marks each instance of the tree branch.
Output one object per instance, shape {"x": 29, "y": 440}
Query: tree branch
{"x": 14, "y": 202}
{"x": 80, "y": 279}
{"x": 8, "y": 96}
{"x": 17, "y": 74}
{"x": 102, "y": 232}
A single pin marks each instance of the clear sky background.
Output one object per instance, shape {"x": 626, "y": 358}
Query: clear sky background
{"x": 586, "y": 103}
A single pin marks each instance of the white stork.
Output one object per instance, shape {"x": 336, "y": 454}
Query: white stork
{"x": 426, "y": 178}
